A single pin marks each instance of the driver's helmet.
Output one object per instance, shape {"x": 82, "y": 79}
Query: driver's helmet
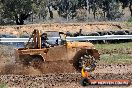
{"x": 44, "y": 36}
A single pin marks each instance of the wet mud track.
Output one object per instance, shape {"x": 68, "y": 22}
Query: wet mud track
{"x": 65, "y": 80}
{"x": 17, "y": 76}
{"x": 54, "y": 80}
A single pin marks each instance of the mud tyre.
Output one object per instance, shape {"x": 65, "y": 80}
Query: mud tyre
{"x": 86, "y": 61}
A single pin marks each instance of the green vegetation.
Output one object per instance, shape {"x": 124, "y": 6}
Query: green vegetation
{"x": 3, "y": 86}
{"x": 128, "y": 24}
{"x": 114, "y": 46}
{"x": 115, "y": 57}
{"x": 130, "y": 19}
{"x": 68, "y": 9}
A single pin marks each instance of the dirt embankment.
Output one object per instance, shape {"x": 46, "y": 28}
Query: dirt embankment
{"x": 72, "y": 27}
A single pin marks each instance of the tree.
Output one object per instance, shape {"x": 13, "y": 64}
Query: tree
{"x": 10, "y": 8}
{"x": 126, "y": 3}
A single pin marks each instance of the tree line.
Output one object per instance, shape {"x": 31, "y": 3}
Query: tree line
{"x": 19, "y": 10}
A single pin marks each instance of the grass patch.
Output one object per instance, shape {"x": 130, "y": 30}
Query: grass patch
{"x": 3, "y": 86}
{"x": 130, "y": 19}
{"x": 128, "y": 23}
{"x": 114, "y": 46}
{"x": 115, "y": 58}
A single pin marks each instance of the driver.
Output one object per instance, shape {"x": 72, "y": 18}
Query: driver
{"x": 44, "y": 39}
{"x": 63, "y": 38}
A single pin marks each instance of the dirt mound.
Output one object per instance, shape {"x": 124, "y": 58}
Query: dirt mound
{"x": 71, "y": 27}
